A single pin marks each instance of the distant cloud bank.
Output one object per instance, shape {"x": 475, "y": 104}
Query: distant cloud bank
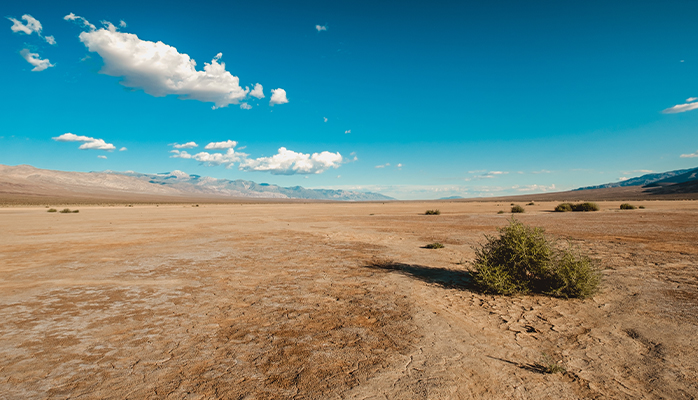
{"x": 691, "y": 155}
{"x": 285, "y": 162}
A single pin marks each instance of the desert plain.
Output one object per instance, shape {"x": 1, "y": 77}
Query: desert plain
{"x": 276, "y": 301}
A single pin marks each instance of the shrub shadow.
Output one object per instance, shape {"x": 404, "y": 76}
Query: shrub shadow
{"x": 446, "y": 278}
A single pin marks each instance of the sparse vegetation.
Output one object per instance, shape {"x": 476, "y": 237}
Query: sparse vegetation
{"x": 627, "y": 206}
{"x": 531, "y": 204}
{"x": 52, "y": 210}
{"x": 587, "y": 206}
{"x": 641, "y": 207}
{"x": 500, "y": 212}
{"x": 517, "y": 209}
{"x": 432, "y": 212}
{"x": 435, "y": 245}
{"x": 547, "y": 365}
{"x": 67, "y": 211}
{"x": 523, "y": 260}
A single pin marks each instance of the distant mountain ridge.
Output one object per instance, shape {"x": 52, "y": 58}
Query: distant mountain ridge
{"x": 654, "y": 180}
{"x": 31, "y": 181}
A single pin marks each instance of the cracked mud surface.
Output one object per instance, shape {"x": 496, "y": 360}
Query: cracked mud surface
{"x": 274, "y": 301}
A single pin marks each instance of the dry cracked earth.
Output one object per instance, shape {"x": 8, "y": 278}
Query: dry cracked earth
{"x": 275, "y": 301}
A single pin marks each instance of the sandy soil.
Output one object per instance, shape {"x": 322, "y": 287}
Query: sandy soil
{"x": 267, "y": 301}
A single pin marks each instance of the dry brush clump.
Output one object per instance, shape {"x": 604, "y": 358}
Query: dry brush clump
{"x": 627, "y": 206}
{"x": 586, "y": 206}
{"x": 432, "y": 212}
{"x": 517, "y": 209}
{"x": 523, "y": 260}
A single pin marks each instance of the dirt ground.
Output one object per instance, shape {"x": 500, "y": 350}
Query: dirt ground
{"x": 274, "y": 301}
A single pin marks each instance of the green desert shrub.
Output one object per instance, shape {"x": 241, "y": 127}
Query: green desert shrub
{"x": 587, "y": 206}
{"x": 500, "y": 212}
{"x": 517, "y": 209}
{"x": 531, "y": 204}
{"x": 642, "y": 207}
{"x": 435, "y": 245}
{"x": 563, "y": 207}
{"x": 65, "y": 211}
{"x": 523, "y": 260}
{"x": 432, "y": 212}
{"x": 627, "y": 206}
{"x": 52, "y": 210}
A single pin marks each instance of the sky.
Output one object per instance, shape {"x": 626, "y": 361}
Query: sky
{"x": 411, "y": 99}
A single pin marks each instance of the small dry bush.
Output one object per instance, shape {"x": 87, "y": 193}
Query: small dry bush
{"x": 587, "y": 206}
{"x": 547, "y": 365}
{"x": 435, "y": 245}
{"x": 432, "y": 212}
{"x": 627, "y": 206}
{"x": 517, "y": 209}
{"x": 523, "y": 260}
{"x": 67, "y": 211}
{"x": 52, "y": 210}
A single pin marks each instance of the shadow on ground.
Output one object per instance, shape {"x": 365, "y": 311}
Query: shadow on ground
{"x": 443, "y": 277}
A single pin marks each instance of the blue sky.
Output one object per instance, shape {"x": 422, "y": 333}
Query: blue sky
{"x": 416, "y": 100}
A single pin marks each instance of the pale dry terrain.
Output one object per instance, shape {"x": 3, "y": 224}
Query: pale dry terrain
{"x": 267, "y": 301}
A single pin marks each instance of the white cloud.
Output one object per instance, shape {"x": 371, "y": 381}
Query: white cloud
{"x": 103, "y": 157}
{"x": 160, "y": 70}
{"x": 542, "y": 171}
{"x": 221, "y": 145}
{"x": 278, "y": 96}
{"x": 486, "y": 175}
{"x": 257, "y": 91}
{"x": 123, "y": 149}
{"x": 532, "y": 188}
{"x": 122, "y": 24}
{"x": 188, "y": 145}
{"x": 638, "y": 171}
{"x": 325, "y": 118}
{"x": 32, "y": 25}
{"x": 245, "y": 106}
{"x": 383, "y": 165}
{"x": 36, "y": 60}
{"x": 80, "y": 20}
{"x": 287, "y": 162}
{"x": 399, "y": 165}
{"x": 320, "y": 28}
{"x": 228, "y": 158}
{"x": 88, "y": 143}
{"x": 690, "y": 104}
{"x": 691, "y": 155}
{"x": 347, "y": 131}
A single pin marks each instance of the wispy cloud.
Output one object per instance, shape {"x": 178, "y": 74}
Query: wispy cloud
{"x": 221, "y": 145}
{"x": 321, "y": 28}
{"x": 691, "y": 104}
{"x": 188, "y": 145}
{"x": 534, "y": 188}
{"x": 486, "y": 175}
{"x": 88, "y": 143}
{"x": 229, "y": 158}
{"x": 278, "y": 96}
{"x": 325, "y": 118}
{"x": 103, "y": 157}
{"x": 32, "y": 25}
{"x": 347, "y": 131}
{"x": 690, "y": 155}
{"x": 637, "y": 171}
{"x": 123, "y": 149}
{"x": 36, "y": 60}
{"x": 542, "y": 171}
{"x": 160, "y": 70}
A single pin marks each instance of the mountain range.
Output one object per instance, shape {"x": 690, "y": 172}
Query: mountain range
{"x": 28, "y": 181}
{"x": 670, "y": 182}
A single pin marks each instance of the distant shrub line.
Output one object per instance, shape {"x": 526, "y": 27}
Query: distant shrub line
{"x": 587, "y": 206}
